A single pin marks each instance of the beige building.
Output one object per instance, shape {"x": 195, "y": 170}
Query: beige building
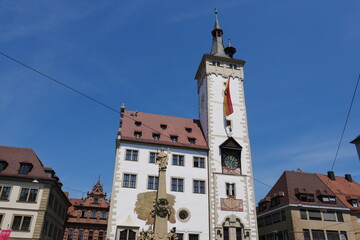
{"x": 32, "y": 203}
{"x": 304, "y": 206}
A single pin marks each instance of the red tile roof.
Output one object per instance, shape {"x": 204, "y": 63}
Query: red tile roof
{"x": 343, "y": 189}
{"x": 293, "y": 182}
{"x": 14, "y": 156}
{"x": 149, "y": 124}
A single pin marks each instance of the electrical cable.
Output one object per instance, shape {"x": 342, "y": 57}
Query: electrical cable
{"x": 97, "y": 101}
{"x": 346, "y": 121}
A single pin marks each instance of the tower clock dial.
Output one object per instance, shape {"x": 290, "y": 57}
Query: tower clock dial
{"x": 231, "y": 162}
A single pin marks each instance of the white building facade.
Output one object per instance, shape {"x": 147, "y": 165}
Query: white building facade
{"x": 209, "y": 175}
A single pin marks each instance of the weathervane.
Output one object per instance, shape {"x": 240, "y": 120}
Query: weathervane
{"x": 216, "y": 12}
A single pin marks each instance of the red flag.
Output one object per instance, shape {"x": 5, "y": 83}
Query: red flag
{"x": 228, "y": 108}
{"x": 5, "y": 234}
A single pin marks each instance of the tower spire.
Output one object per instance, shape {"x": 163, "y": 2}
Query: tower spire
{"x": 217, "y": 48}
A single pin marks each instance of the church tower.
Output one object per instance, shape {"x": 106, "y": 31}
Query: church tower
{"x": 222, "y": 113}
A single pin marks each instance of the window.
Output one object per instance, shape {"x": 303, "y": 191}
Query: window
{"x": 103, "y": 215}
{"x": 230, "y": 189}
{"x": 50, "y": 230}
{"x": 44, "y": 230}
{"x": 129, "y": 181}
{"x": 152, "y": 157}
{"x": 96, "y": 200}
{"x": 70, "y": 234}
{"x": 137, "y": 123}
{"x": 131, "y": 155}
{"x": 268, "y": 220}
{"x": 174, "y": 138}
{"x": 83, "y": 214}
{"x": 28, "y": 195}
{"x": 21, "y": 223}
{"x": 354, "y": 202}
{"x": 306, "y": 234}
{"x": 199, "y": 162}
{"x": 328, "y": 199}
{"x": 163, "y": 126}
{"x": 329, "y": 216}
{"x": 178, "y": 160}
{"x": 340, "y": 217}
{"x": 343, "y": 235}
{"x": 357, "y": 219}
{"x": 4, "y": 192}
{"x": 153, "y": 182}
{"x": 180, "y": 236}
{"x": 276, "y": 217}
{"x": 91, "y": 235}
{"x": 199, "y": 186}
{"x": 3, "y": 165}
{"x": 306, "y": 197}
{"x": 25, "y": 168}
{"x": 127, "y": 234}
{"x": 303, "y": 214}
{"x": 218, "y": 64}
{"x": 101, "y": 236}
{"x": 283, "y": 216}
{"x": 81, "y": 235}
{"x": 226, "y": 233}
{"x": 93, "y": 214}
{"x": 332, "y": 235}
{"x": 156, "y": 136}
{"x": 193, "y": 236}
{"x": 189, "y": 130}
{"x": 184, "y": 215}
{"x": 318, "y": 235}
{"x": 137, "y": 134}
{"x": 314, "y": 215}
{"x": 177, "y": 184}
{"x": 56, "y": 204}
{"x": 192, "y": 140}
{"x": 275, "y": 201}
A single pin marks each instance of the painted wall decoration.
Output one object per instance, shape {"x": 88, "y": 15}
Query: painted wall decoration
{"x": 144, "y": 205}
{"x": 231, "y": 204}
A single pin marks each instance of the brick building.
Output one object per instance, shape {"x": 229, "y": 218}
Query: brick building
{"x": 87, "y": 217}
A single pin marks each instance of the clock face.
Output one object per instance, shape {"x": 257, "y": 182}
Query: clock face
{"x": 231, "y": 162}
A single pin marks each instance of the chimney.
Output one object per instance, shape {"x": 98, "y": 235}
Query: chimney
{"x": 348, "y": 177}
{"x": 331, "y": 175}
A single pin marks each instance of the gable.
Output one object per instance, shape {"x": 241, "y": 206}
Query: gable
{"x": 231, "y": 143}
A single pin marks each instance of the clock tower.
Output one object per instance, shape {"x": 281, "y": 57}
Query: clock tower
{"x": 222, "y": 113}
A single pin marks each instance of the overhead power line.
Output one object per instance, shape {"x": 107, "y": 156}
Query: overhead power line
{"x": 346, "y": 121}
{"x": 96, "y": 101}
{"x": 59, "y": 82}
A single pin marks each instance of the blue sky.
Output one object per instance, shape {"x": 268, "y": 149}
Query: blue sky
{"x": 302, "y": 56}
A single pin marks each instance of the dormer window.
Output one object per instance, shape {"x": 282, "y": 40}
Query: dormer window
{"x": 328, "y": 199}
{"x": 192, "y": 140}
{"x": 305, "y": 197}
{"x": 156, "y": 136}
{"x": 137, "y": 123}
{"x": 189, "y": 130}
{"x": 50, "y": 174}
{"x": 275, "y": 201}
{"x": 25, "y": 168}
{"x": 174, "y": 138}
{"x": 3, "y": 165}
{"x": 163, "y": 126}
{"x": 137, "y": 134}
{"x": 354, "y": 202}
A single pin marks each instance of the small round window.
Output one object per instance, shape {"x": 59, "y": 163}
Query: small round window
{"x": 183, "y": 215}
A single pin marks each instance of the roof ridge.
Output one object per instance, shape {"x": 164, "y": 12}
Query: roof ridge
{"x": 161, "y": 115}
{"x": 21, "y": 148}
